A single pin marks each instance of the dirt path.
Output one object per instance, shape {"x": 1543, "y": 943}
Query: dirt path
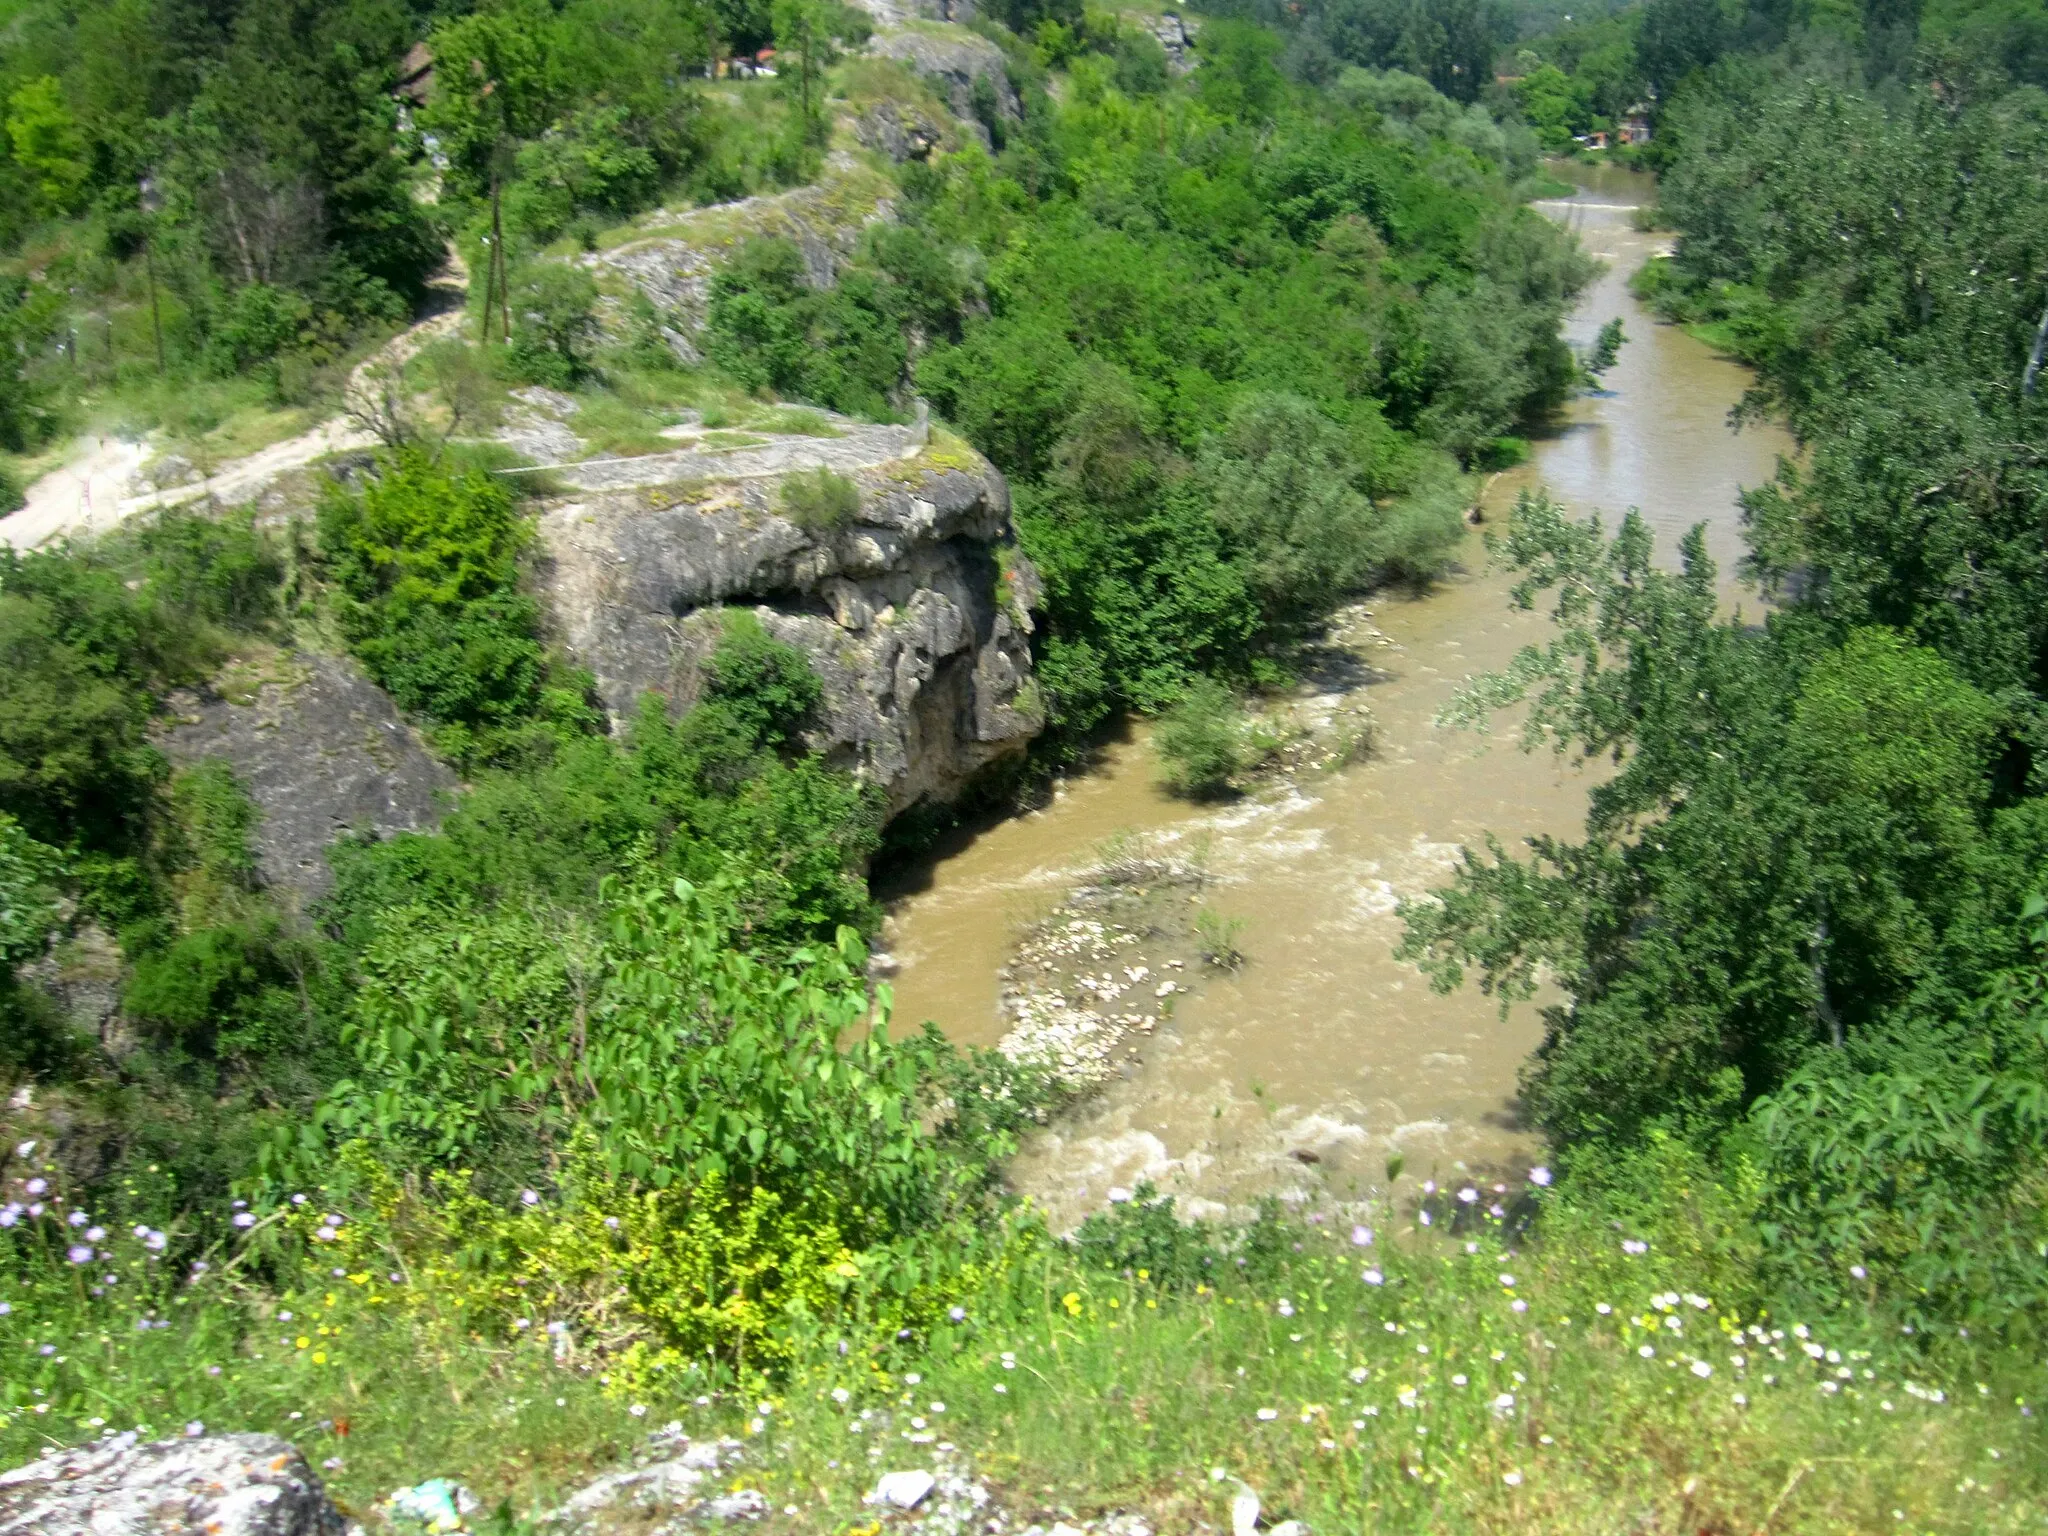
{"x": 95, "y": 489}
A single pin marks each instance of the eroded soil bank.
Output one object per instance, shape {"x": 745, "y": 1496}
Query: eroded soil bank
{"x": 1300, "y": 1073}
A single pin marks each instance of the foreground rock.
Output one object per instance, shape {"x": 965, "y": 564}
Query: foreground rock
{"x": 223, "y": 1485}
{"x": 322, "y": 751}
{"x": 915, "y": 612}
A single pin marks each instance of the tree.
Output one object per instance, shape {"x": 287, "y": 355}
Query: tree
{"x": 1678, "y": 37}
{"x": 47, "y": 143}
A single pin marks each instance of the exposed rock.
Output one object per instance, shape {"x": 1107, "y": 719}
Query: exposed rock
{"x": 898, "y": 131}
{"x": 953, "y": 60}
{"x": 915, "y": 614}
{"x": 224, "y": 1485}
{"x": 322, "y": 751}
{"x": 670, "y": 1477}
{"x": 82, "y": 974}
{"x": 673, "y": 253}
{"x": 1177, "y": 37}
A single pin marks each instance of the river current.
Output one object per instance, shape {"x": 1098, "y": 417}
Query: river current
{"x": 1302, "y": 1073}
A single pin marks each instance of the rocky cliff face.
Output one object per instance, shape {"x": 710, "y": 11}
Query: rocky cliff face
{"x": 915, "y": 613}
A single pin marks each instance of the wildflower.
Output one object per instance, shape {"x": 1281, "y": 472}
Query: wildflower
{"x": 1858, "y": 1271}
{"x": 1119, "y": 1196}
{"x": 1361, "y": 1237}
{"x": 95, "y": 1234}
{"x": 1512, "y": 1479}
{"x": 841, "y": 1396}
{"x": 332, "y": 1464}
{"x": 78, "y": 1253}
{"x": 213, "y": 1370}
{"x": 244, "y": 1219}
{"x": 1540, "y": 1177}
{"x": 284, "y": 1317}
{"x": 911, "y": 1378}
{"x": 1285, "y": 1307}
{"x": 325, "y": 1235}
{"x": 1647, "y": 1352}
{"x": 78, "y": 1218}
{"x": 1458, "y": 1380}
{"x": 1701, "y": 1369}
{"x": 1504, "y": 1404}
{"x": 1634, "y": 1245}
{"x": 1267, "y": 1415}
{"x": 1429, "y": 1186}
{"x": 26, "y": 1149}
{"x": 1072, "y": 1302}
{"x": 6, "y": 1307}
{"x": 1001, "y": 1388}
{"x": 1496, "y": 1211}
{"x": 1468, "y": 1195}
{"x": 1373, "y": 1277}
{"x": 956, "y": 1314}
{"x": 37, "y": 1186}
{"x": 301, "y": 1342}
{"x": 9, "y": 1215}
{"x": 1603, "y": 1309}
{"x": 612, "y": 1222}
{"x": 531, "y": 1197}
{"x": 522, "y": 1322}
{"x": 1518, "y": 1305}
{"x": 1426, "y": 1218}
{"x": 194, "y": 1430}
{"x": 1507, "y": 1280}
{"x": 639, "y": 1411}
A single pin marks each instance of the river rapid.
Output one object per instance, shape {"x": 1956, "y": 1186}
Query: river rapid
{"x": 1300, "y": 1074}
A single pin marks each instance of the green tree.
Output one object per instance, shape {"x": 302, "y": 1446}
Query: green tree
{"x": 48, "y": 143}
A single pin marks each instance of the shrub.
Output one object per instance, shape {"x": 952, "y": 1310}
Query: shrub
{"x": 819, "y": 501}
{"x": 1201, "y": 742}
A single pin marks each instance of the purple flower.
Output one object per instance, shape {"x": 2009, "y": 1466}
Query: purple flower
{"x": 141, "y": 1231}
{"x": 25, "y": 1149}
{"x": 36, "y": 1209}
{"x": 529, "y": 1197}
{"x": 612, "y": 1222}
{"x": 194, "y": 1430}
{"x": 1540, "y": 1177}
{"x": 154, "y": 1242}
{"x": 240, "y": 1204}
{"x": 1361, "y": 1237}
{"x": 298, "y": 1199}
{"x": 78, "y": 1218}
{"x": 47, "y": 1349}
{"x": 9, "y": 1215}
{"x": 95, "y": 1234}
{"x": 245, "y": 1219}
{"x": 213, "y": 1370}
{"x": 6, "y": 1307}
{"x": 37, "y": 1186}
{"x": 1468, "y": 1195}
{"x": 78, "y": 1253}
{"x": 957, "y": 1314}
{"x": 199, "y": 1266}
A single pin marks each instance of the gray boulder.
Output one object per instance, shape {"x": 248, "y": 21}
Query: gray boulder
{"x": 322, "y": 750}
{"x": 223, "y": 1485}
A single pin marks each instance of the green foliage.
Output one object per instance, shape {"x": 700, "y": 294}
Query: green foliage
{"x": 426, "y": 565}
{"x": 1606, "y": 348}
{"x": 1201, "y": 742}
{"x": 28, "y": 895}
{"x": 684, "y": 1055}
{"x": 819, "y": 500}
{"x": 554, "y": 327}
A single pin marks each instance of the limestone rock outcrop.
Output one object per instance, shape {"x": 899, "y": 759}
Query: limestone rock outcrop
{"x": 322, "y": 751}
{"x": 916, "y": 614}
{"x": 226, "y": 1485}
{"x": 953, "y": 59}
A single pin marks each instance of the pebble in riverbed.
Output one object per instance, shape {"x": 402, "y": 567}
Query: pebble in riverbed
{"x": 1103, "y": 947}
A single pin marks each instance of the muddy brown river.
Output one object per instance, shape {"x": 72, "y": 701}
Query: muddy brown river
{"x": 1302, "y": 1073}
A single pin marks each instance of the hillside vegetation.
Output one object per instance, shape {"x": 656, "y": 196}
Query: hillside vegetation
{"x": 581, "y": 1114}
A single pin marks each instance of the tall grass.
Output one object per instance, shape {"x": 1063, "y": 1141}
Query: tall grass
{"x": 1390, "y": 1377}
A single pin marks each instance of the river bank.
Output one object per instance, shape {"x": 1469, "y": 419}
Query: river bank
{"x": 1300, "y": 1074}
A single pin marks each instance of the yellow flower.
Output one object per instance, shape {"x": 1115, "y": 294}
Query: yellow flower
{"x": 1151, "y": 1305}
{"x": 1114, "y": 1303}
{"x": 302, "y": 1341}
{"x": 1072, "y": 1302}
{"x": 319, "y": 1357}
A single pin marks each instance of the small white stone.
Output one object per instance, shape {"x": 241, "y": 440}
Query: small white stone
{"x": 904, "y": 1490}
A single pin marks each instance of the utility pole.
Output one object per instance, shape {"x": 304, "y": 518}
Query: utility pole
{"x": 152, "y": 203}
